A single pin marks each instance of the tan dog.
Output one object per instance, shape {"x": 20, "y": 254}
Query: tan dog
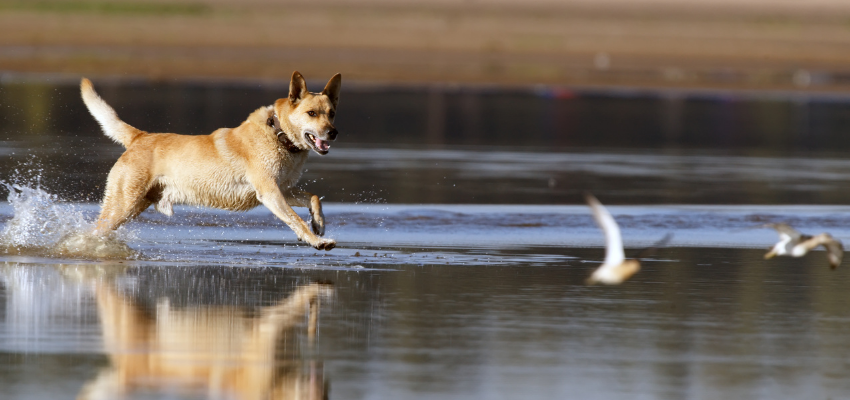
{"x": 258, "y": 162}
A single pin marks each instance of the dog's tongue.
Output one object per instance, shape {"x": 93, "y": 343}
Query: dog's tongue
{"x": 322, "y": 145}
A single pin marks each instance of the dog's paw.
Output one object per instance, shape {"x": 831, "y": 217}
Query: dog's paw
{"x": 325, "y": 244}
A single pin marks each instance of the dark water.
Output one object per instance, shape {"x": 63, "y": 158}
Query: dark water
{"x": 463, "y": 248}
{"x": 475, "y": 145}
{"x": 701, "y": 323}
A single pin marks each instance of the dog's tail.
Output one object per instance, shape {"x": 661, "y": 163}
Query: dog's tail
{"x": 113, "y": 126}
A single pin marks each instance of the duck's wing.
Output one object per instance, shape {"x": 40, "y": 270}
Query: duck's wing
{"x": 614, "y": 254}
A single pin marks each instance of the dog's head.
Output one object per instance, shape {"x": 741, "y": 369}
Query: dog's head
{"x": 310, "y": 116}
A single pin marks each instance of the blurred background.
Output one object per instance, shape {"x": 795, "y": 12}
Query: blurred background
{"x": 621, "y": 80}
{"x": 743, "y": 44}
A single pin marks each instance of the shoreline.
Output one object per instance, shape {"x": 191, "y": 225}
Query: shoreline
{"x": 758, "y": 45}
{"x": 545, "y": 89}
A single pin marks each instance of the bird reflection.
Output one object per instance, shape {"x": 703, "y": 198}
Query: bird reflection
{"x": 218, "y": 352}
{"x": 795, "y": 244}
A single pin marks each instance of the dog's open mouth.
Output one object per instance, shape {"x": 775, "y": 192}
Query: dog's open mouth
{"x": 319, "y": 145}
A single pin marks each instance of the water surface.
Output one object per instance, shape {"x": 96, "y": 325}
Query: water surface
{"x": 462, "y": 254}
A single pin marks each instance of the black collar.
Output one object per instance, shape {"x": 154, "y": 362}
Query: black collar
{"x": 281, "y": 135}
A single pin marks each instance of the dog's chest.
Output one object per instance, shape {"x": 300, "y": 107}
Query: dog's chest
{"x": 290, "y": 167}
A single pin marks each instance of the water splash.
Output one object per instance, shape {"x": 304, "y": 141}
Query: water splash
{"x": 43, "y": 226}
{"x": 39, "y": 219}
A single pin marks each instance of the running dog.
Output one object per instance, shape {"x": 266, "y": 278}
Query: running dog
{"x": 237, "y": 169}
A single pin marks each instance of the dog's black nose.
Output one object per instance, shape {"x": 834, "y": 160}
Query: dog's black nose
{"x": 333, "y": 134}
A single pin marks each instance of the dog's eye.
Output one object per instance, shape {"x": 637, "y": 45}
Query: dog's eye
{"x": 331, "y": 114}
{"x": 311, "y": 113}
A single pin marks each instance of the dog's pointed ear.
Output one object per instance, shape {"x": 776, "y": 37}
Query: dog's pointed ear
{"x": 297, "y": 88}
{"x": 332, "y": 89}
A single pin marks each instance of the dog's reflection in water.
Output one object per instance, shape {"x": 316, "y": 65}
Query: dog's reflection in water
{"x": 216, "y": 352}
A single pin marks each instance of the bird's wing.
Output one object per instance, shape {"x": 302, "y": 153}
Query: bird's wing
{"x": 650, "y": 251}
{"x": 834, "y": 249}
{"x": 614, "y": 254}
{"x": 785, "y": 231}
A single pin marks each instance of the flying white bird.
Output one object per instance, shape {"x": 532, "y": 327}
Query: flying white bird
{"x": 795, "y": 244}
{"x": 615, "y": 269}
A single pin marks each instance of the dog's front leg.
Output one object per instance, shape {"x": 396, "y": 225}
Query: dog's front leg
{"x": 269, "y": 194}
{"x": 302, "y": 198}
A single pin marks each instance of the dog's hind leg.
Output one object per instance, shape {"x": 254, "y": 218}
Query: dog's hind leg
{"x": 303, "y": 198}
{"x": 115, "y": 213}
{"x": 125, "y": 198}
